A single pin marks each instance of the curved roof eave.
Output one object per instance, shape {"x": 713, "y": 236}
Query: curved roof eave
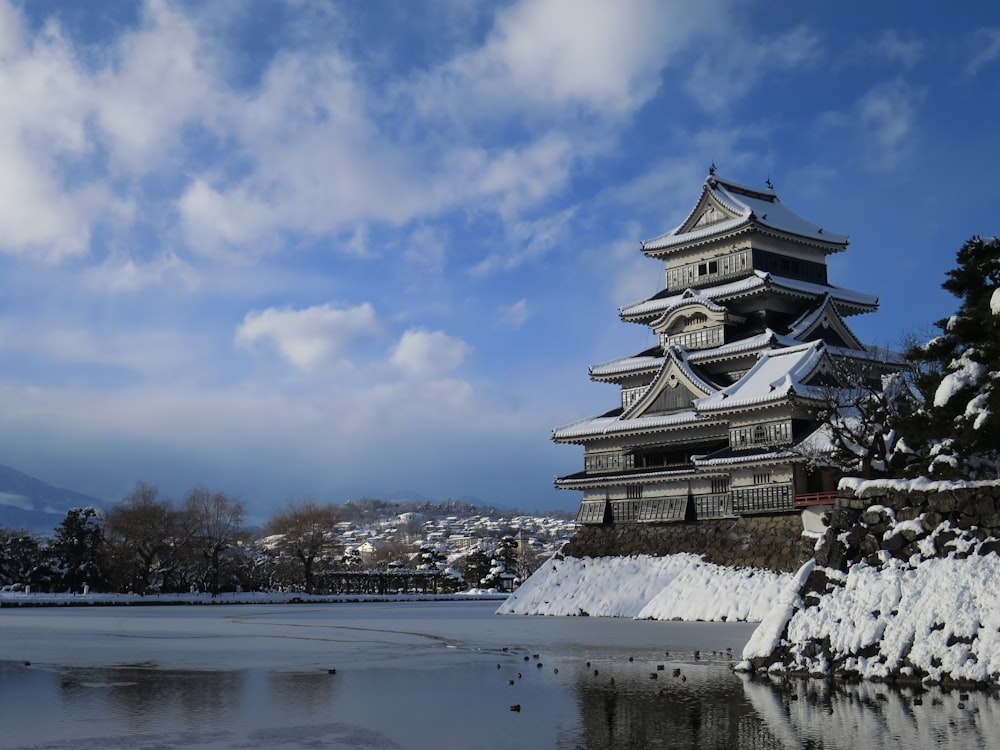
{"x": 848, "y": 302}
{"x": 618, "y": 477}
{"x": 596, "y": 428}
{"x": 625, "y": 366}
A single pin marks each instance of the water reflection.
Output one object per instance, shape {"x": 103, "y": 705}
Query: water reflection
{"x": 144, "y": 700}
{"x": 299, "y": 693}
{"x": 817, "y": 714}
{"x": 696, "y": 706}
{"x": 678, "y": 706}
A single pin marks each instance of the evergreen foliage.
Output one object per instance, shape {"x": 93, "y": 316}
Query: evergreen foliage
{"x": 20, "y": 558}
{"x": 477, "y": 567}
{"x": 957, "y": 429}
{"x": 77, "y": 551}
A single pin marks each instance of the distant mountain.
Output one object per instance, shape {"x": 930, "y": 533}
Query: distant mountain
{"x": 31, "y": 504}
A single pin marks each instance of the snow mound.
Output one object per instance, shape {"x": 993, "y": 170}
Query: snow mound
{"x": 672, "y": 587}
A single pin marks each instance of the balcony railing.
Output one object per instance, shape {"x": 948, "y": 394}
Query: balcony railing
{"x": 815, "y": 498}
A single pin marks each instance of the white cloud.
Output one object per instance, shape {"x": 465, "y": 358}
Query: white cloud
{"x": 127, "y": 275}
{"x": 358, "y": 245}
{"x": 515, "y": 314}
{"x": 527, "y": 240}
{"x": 732, "y": 65}
{"x": 606, "y": 57}
{"x": 887, "y": 115}
{"x": 882, "y": 124}
{"x": 157, "y": 354}
{"x": 985, "y": 49}
{"x": 603, "y": 57}
{"x": 43, "y": 113}
{"x": 316, "y": 163}
{"x": 527, "y": 175}
{"x": 313, "y": 148}
{"x": 427, "y": 247}
{"x": 310, "y": 337}
{"x": 162, "y": 77}
{"x": 894, "y": 46}
{"x": 230, "y": 225}
{"x": 38, "y": 218}
{"x": 421, "y": 353}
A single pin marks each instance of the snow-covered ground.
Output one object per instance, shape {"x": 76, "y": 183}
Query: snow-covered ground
{"x": 672, "y": 587}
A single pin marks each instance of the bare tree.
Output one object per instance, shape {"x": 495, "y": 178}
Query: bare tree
{"x": 142, "y": 534}
{"x": 304, "y": 535}
{"x": 859, "y": 409}
{"x": 214, "y": 524}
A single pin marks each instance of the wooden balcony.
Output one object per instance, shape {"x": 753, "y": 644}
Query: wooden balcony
{"x": 816, "y": 498}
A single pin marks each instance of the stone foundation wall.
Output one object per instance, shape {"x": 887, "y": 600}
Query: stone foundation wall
{"x": 773, "y": 542}
{"x": 857, "y": 524}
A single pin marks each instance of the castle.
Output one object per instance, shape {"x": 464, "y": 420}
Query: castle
{"x": 716, "y": 420}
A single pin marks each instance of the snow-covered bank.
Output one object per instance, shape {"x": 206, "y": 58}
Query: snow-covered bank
{"x": 905, "y": 585}
{"x": 936, "y": 619}
{"x": 672, "y": 587}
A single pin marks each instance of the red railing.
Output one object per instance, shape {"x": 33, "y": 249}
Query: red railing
{"x": 816, "y": 498}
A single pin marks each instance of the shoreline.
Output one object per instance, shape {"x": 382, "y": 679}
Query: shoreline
{"x": 28, "y": 601}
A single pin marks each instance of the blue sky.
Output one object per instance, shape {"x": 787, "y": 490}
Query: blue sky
{"x": 287, "y": 248}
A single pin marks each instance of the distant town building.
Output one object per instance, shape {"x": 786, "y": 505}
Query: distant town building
{"x": 711, "y": 420}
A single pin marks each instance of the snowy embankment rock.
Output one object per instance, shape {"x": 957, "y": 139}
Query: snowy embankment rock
{"x": 904, "y": 586}
{"x": 672, "y": 587}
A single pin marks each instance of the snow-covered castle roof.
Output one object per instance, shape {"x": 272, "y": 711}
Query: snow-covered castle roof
{"x": 726, "y": 207}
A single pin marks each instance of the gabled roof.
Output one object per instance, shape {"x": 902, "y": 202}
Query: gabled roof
{"x": 848, "y": 302}
{"x": 778, "y": 375}
{"x": 674, "y": 372}
{"x": 824, "y": 316}
{"x": 689, "y": 298}
{"x": 633, "y": 421}
{"x": 726, "y": 207}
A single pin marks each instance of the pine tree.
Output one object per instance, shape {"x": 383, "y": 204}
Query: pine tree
{"x": 477, "y": 567}
{"x": 958, "y": 429}
{"x": 78, "y": 551}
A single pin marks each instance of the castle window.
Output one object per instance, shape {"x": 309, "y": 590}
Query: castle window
{"x": 704, "y": 269}
{"x": 771, "y": 433}
{"x": 762, "y": 478}
{"x": 720, "y": 485}
{"x": 633, "y": 491}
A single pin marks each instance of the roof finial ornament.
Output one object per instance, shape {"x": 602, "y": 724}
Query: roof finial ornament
{"x": 711, "y": 169}
{"x": 770, "y": 185}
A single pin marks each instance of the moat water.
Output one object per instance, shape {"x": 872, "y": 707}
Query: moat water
{"x": 430, "y": 675}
